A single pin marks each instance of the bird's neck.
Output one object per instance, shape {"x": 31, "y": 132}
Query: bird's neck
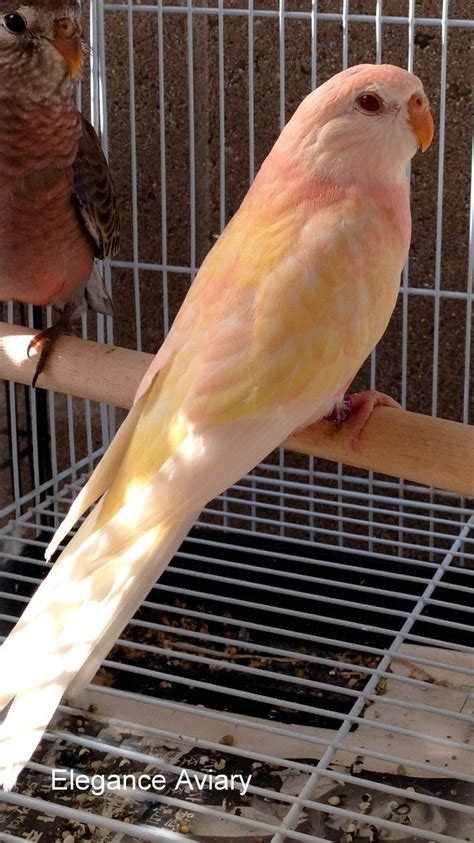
{"x": 41, "y": 81}
{"x": 293, "y": 184}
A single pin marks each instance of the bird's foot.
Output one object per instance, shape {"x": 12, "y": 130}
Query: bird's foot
{"x": 341, "y": 411}
{"x": 359, "y": 408}
{"x": 42, "y": 343}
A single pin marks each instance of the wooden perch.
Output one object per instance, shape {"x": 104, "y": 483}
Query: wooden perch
{"x": 435, "y": 452}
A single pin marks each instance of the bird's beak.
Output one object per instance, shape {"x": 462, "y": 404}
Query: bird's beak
{"x": 67, "y": 40}
{"x": 420, "y": 120}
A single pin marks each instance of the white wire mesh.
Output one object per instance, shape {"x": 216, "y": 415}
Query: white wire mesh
{"x": 334, "y": 597}
{"x": 404, "y": 721}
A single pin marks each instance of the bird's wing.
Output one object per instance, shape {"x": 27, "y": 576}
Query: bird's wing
{"x": 218, "y": 313}
{"x": 268, "y": 325}
{"x": 279, "y": 307}
{"x": 95, "y": 194}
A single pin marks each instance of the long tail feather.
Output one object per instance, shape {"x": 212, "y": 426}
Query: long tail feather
{"x": 148, "y": 576}
{"x": 100, "y": 480}
{"x": 71, "y": 623}
{"x": 105, "y": 572}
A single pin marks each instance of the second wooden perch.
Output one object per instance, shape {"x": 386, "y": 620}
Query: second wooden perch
{"x": 435, "y": 452}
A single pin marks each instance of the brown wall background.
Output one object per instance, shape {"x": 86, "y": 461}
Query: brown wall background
{"x": 209, "y": 154}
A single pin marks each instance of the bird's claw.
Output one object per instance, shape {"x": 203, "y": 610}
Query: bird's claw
{"x": 359, "y": 408}
{"x": 42, "y": 344}
{"x": 342, "y": 409}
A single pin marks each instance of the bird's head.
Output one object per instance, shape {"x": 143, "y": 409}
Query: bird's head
{"x": 365, "y": 123}
{"x": 40, "y": 48}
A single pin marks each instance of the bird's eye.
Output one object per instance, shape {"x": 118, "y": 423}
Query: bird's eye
{"x": 14, "y": 23}
{"x": 369, "y": 103}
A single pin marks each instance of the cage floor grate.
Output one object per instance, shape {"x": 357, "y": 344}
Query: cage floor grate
{"x": 342, "y": 686}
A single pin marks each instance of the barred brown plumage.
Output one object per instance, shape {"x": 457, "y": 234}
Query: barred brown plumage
{"x": 51, "y": 167}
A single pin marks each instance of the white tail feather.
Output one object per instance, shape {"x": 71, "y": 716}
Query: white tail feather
{"x": 100, "y": 480}
{"x": 104, "y": 573}
{"x": 149, "y": 573}
{"x": 70, "y": 625}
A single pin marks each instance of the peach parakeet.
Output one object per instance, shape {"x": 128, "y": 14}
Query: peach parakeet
{"x": 284, "y": 310}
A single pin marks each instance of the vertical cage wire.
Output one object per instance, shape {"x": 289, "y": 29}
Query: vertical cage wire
{"x": 282, "y": 121}
{"x": 98, "y": 106}
{"x": 133, "y": 137}
{"x": 469, "y": 300}
{"x": 163, "y": 177}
